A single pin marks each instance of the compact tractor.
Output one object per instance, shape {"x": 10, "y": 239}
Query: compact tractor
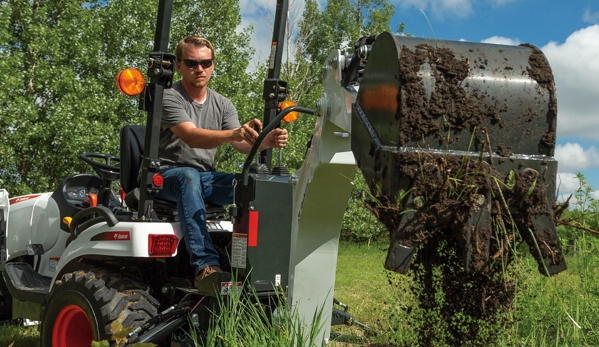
{"x": 80, "y": 257}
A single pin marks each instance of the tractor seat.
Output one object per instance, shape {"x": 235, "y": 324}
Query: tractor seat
{"x": 132, "y": 145}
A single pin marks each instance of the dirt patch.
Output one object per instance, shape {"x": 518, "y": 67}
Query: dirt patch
{"x": 504, "y": 151}
{"x": 449, "y": 100}
{"x": 540, "y": 71}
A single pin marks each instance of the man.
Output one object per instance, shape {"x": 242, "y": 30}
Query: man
{"x": 195, "y": 121}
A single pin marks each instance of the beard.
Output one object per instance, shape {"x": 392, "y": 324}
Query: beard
{"x": 199, "y": 82}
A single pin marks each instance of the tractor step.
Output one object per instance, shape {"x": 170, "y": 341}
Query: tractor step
{"x": 25, "y": 284}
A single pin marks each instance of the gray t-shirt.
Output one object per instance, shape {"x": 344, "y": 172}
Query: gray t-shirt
{"x": 215, "y": 113}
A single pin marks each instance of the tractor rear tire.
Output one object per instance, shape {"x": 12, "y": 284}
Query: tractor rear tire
{"x": 83, "y": 306}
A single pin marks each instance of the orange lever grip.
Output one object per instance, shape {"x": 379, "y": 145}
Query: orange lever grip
{"x": 93, "y": 199}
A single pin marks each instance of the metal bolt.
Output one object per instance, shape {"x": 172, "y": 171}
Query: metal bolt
{"x": 167, "y": 288}
{"x": 364, "y": 51}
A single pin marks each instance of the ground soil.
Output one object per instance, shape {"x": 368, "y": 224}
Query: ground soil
{"x": 464, "y": 211}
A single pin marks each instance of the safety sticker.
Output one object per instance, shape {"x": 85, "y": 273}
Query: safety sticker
{"x": 273, "y": 52}
{"x": 239, "y": 250}
{"x": 226, "y": 288}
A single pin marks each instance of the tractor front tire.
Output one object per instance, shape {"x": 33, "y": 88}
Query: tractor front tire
{"x": 83, "y": 306}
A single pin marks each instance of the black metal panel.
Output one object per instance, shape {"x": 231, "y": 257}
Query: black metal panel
{"x": 270, "y": 197}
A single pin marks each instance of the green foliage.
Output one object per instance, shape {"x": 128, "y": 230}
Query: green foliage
{"x": 340, "y": 24}
{"x": 359, "y": 223}
{"x": 13, "y": 335}
{"x": 580, "y": 226}
{"x": 60, "y": 59}
{"x": 59, "y": 100}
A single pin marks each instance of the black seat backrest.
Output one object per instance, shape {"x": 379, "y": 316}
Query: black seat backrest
{"x": 132, "y": 148}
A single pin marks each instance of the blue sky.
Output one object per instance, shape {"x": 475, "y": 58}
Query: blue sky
{"x": 566, "y": 31}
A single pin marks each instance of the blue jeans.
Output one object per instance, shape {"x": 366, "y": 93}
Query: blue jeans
{"x": 189, "y": 188}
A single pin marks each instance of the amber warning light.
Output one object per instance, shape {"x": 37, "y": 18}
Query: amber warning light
{"x": 291, "y": 116}
{"x": 130, "y": 81}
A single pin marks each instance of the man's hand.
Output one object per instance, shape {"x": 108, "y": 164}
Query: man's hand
{"x": 277, "y": 138}
{"x": 248, "y": 132}
{"x": 246, "y": 135}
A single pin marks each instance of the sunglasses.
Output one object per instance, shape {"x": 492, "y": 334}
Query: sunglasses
{"x": 191, "y": 63}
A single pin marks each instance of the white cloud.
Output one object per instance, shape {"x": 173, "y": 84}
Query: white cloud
{"x": 500, "y": 40}
{"x": 573, "y": 157}
{"x": 575, "y": 65}
{"x": 566, "y": 183}
{"x": 589, "y": 17}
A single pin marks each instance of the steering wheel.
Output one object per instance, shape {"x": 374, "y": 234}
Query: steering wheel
{"x": 107, "y": 171}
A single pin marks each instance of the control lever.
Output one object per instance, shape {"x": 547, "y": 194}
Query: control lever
{"x": 258, "y": 167}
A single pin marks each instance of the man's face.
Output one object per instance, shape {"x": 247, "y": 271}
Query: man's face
{"x": 197, "y": 76}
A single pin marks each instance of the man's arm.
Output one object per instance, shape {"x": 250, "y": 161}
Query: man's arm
{"x": 242, "y": 138}
{"x": 277, "y": 138}
{"x": 195, "y": 137}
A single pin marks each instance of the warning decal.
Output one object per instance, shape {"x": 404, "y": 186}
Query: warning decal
{"x": 239, "y": 250}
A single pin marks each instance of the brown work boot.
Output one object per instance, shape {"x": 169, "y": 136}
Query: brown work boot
{"x": 207, "y": 271}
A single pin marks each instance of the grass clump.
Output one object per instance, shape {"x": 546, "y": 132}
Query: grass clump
{"x": 245, "y": 320}
{"x": 17, "y": 335}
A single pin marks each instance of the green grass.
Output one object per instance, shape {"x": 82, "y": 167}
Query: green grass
{"x": 559, "y": 311}
{"x": 18, "y": 336}
{"x": 375, "y": 297}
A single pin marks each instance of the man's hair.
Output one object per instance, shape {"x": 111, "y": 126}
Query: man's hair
{"x": 195, "y": 41}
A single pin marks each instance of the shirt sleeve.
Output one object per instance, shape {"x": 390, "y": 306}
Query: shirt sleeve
{"x": 173, "y": 109}
{"x": 230, "y": 117}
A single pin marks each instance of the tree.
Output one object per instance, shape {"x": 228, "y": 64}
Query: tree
{"x": 338, "y": 26}
{"x": 59, "y": 59}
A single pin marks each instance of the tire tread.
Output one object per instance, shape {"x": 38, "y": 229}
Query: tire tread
{"x": 119, "y": 297}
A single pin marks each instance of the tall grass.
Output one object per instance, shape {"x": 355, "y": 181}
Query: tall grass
{"x": 562, "y": 310}
{"x": 18, "y": 336}
{"x": 246, "y": 321}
